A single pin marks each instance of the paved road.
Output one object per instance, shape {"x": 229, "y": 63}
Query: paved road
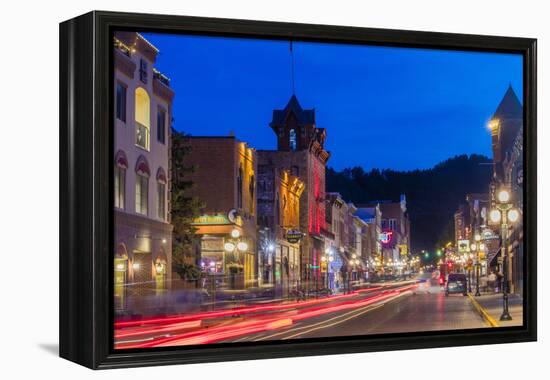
{"x": 380, "y": 309}
{"x": 424, "y": 309}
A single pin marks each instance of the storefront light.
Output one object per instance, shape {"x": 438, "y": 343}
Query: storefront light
{"x": 330, "y": 259}
{"x": 271, "y": 247}
{"x": 323, "y": 258}
{"x": 135, "y": 266}
{"x": 235, "y": 233}
{"x": 242, "y": 246}
{"x": 229, "y": 247}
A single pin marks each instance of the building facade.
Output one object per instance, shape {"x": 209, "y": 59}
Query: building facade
{"x": 506, "y": 127}
{"x": 224, "y": 181}
{"x": 143, "y": 233}
{"x": 300, "y": 150}
{"x": 279, "y": 195}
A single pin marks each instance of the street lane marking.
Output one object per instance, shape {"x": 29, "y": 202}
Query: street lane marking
{"x": 309, "y": 326}
{"x": 484, "y": 314}
{"x": 320, "y": 325}
{"x": 369, "y": 308}
{"x": 359, "y": 312}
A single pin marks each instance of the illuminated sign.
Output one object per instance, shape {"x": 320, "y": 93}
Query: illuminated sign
{"x": 463, "y": 246}
{"x": 488, "y": 234}
{"x": 385, "y": 237}
{"x": 403, "y": 250}
{"x": 293, "y": 236}
{"x": 217, "y": 219}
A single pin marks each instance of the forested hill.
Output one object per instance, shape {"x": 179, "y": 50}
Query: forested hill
{"x": 433, "y": 195}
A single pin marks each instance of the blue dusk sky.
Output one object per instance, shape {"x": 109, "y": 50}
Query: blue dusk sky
{"x": 382, "y": 107}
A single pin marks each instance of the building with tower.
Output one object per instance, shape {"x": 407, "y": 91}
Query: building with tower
{"x": 506, "y": 127}
{"x": 301, "y": 151}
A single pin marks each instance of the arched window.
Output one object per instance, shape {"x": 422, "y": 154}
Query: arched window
{"x": 161, "y": 194}
{"x": 142, "y": 186}
{"x": 143, "y": 118}
{"x": 240, "y": 187}
{"x": 292, "y": 139}
{"x": 121, "y": 164}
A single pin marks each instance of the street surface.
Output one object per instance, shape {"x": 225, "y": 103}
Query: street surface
{"x": 390, "y": 307}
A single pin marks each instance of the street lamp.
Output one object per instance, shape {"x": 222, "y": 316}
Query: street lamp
{"x": 504, "y": 213}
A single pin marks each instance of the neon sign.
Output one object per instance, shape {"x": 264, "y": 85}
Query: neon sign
{"x": 385, "y": 237}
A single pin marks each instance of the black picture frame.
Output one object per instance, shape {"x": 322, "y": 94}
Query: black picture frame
{"x": 86, "y": 213}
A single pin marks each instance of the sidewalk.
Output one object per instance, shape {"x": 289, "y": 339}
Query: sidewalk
{"x": 490, "y": 305}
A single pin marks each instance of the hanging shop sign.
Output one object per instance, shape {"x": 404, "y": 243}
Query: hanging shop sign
{"x": 293, "y": 236}
{"x": 488, "y": 234}
{"x": 403, "y": 250}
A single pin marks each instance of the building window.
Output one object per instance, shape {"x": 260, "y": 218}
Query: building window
{"x": 251, "y": 188}
{"x": 161, "y": 126}
{"x": 295, "y": 170}
{"x": 142, "y": 194}
{"x": 143, "y": 70}
{"x": 121, "y": 102}
{"x": 384, "y": 224}
{"x": 240, "y": 188}
{"x": 292, "y": 139}
{"x": 393, "y": 224}
{"x": 161, "y": 206}
{"x": 120, "y": 186}
{"x": 143, "y": 114}
{"x": 277, "y": 210}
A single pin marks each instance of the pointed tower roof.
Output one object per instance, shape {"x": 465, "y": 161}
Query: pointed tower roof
{"x": 303, "y": 116}
{"x": 509, "y": 107}
{"x": 509, "y": 117}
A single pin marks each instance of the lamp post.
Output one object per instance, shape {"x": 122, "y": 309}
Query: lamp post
{"x": 234, "y": 245}
{"x": 503, "y": 213}
{"x": 327, "y": 258}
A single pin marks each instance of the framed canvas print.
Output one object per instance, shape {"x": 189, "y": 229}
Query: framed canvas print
{"x": 238, "y": 190}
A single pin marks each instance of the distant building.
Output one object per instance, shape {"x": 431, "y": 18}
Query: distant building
{"x": 224, "y": 180}
{"x": 395, "y": 230}
{"x": 372, "y": 248}
{"x": 507, "y": 142}
{"x": 143, "y": 233}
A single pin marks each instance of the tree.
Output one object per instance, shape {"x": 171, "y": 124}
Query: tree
{"x": 184, "y": 210}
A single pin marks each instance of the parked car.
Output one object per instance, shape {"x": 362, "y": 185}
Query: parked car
{"x": 456, "y": 283}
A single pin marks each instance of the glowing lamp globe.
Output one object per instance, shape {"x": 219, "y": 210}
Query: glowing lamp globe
{"x": 513, "y": 215}
{"x": 494, "y": 215}
{"x": 503, "y": 196}
{"x": 229, "y": 247}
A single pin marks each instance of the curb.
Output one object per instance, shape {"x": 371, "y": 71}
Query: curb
{"x": 484, "y": 314}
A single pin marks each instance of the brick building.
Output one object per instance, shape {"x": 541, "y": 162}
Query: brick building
{"x": 507, "y": 143}
{"x": 278, "y": 212}
{"x": 300, "y": 150}
{"x": 224, "y": 181}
